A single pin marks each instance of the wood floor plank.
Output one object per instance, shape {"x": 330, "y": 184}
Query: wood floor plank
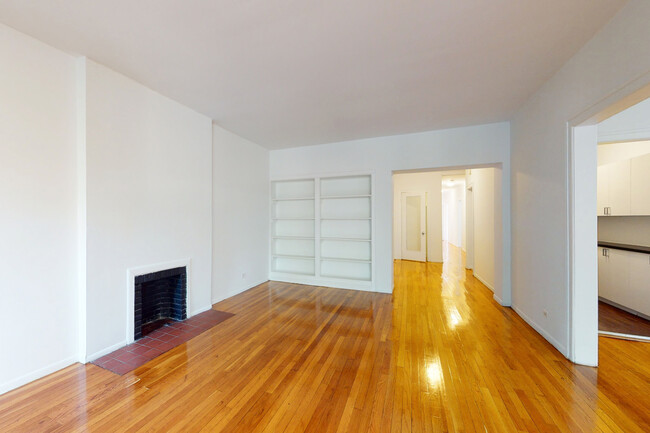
{"x": 437, "y": 355}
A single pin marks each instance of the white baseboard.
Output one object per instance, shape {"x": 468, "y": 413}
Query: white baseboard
{"x": 548, "y": 337}
{"x": 488, "y": 285}
{"x": 37, "y": 374}
{"x": 499, "y": 300}
{"x": 364, "y": 286}
{"x": 105, "y": 351}
{"x": 237, "y": 291}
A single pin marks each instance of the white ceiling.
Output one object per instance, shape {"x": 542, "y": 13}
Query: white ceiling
{"x": 291, "y": 73}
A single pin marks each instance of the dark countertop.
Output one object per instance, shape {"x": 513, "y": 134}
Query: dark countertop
{"x": 625, "y": 247}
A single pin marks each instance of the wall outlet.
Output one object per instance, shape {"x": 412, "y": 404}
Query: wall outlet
{"x": 545, "y": 314}
{"x": 243, "y": 275}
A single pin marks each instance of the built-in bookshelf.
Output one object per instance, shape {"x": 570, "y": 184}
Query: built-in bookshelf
{"x": 293, "y": 243}
{"x": 322, "y": 228}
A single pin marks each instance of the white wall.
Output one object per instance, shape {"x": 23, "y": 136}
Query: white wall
{"x": 240, "y": 248}
{"x": 633, "y": 230}
{"x": 482, "y": 181}
{"x": 630, "y": 124}
{"x": 428, "y": 182}
{"x": 149, "y": 197}
{"x": 540, "y": 278}
{"x": 459, "y": 147}
{"x": 454, "y": 197}
{"x": 37, "y": 210}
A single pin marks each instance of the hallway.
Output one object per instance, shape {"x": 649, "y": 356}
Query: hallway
{"x": 438, "y": 355}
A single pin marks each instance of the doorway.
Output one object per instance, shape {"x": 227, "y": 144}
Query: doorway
{"x": 445, "y": 216}
{"x": 586, "y": 197}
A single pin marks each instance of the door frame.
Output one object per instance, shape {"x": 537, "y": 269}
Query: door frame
{"x": 422, "y": 256}
{"x": 581, "y": 178}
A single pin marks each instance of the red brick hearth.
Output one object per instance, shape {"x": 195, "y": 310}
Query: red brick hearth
{"x": 160, "y": 341}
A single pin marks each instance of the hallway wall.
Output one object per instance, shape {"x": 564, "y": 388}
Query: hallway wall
{"x": 482, "y": 181}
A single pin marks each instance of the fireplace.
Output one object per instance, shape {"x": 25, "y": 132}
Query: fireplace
{"x": 159, "y": 297}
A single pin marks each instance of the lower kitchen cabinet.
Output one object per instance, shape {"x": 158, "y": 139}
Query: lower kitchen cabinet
{"x": 624, "y": 278}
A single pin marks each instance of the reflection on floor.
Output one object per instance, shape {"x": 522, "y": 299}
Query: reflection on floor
{"x": 612, "y": 319}
{"x": 439, "y": 354}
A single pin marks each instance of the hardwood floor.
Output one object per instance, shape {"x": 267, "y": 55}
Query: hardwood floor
{"x": 612, "y": 319}
{"x": 438, "y": 355}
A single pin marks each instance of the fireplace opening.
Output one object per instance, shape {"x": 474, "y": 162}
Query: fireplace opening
{"x": 160, "y": 298}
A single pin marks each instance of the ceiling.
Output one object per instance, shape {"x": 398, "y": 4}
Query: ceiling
{"x": 291, "y": 73}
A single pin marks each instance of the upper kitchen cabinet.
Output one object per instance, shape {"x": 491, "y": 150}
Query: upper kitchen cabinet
{"x": 614, "y": 189}
{"x": 640, "y": 185}
{"x": 624, "y": 187}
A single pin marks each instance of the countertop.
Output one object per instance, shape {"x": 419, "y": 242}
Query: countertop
{"x": 625, "y": 247}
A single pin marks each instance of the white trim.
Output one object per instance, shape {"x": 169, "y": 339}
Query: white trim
{"x": 309, "y": 280}
{"x": 561, "y": 348}
{"x": 36, "y": 374}
{"x": 131, "y": 273}
{"x": 499, "y": 300}
{"x": 621, "y": 336}
{"x": 488, "y": 285}
{"x": 106, "y": 351}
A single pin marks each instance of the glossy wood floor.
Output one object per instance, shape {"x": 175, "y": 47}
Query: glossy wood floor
{"x": 612, "y": 319}
{"x": 439, "y": 355}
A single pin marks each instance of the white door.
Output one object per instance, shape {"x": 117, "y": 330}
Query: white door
{"x": 414, "y": 236}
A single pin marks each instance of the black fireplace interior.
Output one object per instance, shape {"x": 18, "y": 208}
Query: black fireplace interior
{"x": 160, "y": 297}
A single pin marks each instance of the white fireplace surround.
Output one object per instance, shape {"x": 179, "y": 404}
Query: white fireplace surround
{"x": 131, "y": 273}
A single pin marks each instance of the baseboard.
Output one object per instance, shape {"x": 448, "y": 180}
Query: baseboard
{"x": 478, "y": 277}
{"x": 37, "y": 374}
{"x": 548, "y": 337}
{"x": 105, "y": 351}
{"x": 499, "y": 300}
{"x": 309, "y": 280}
{"x": 232, "y": 293}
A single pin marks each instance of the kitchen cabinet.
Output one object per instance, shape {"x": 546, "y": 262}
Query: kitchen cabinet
{"x": 623, "y": 187}
{"x": 614, "y": 189}
{"x": 640, "y": 185}
{"x": 624, "y": 278}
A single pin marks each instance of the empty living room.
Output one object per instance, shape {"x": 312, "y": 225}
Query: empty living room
{"x": 363, "y": 216}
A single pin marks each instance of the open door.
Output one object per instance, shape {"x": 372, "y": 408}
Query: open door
{"x": 414, "y": 235}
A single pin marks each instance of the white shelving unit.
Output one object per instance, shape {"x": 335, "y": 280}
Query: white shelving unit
{"x": 322, "y": 231}
{"x": 293, "y": 243}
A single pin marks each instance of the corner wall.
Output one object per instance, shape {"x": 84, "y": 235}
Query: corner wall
{"x": 240, "y": 216}
{"x": 616, "y": 56}
{"x": 38, "y": 211}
